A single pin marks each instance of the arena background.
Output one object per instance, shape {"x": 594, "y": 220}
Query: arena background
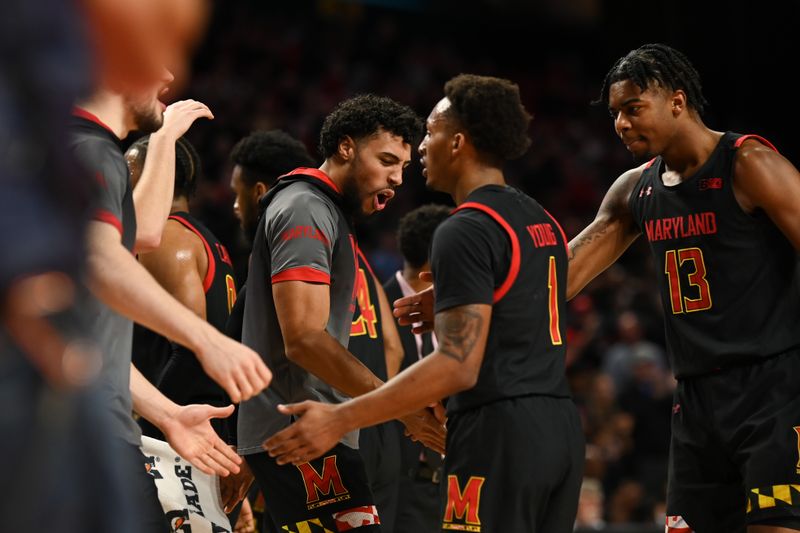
{"x": 284, "y": 65}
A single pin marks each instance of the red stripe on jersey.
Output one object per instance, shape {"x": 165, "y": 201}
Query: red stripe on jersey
{"x": 759, "y": 138}
{"x": 513, "y": 271}
{"x": 212, "y": 263}
{"x": 650, "y": 163}
{"x": 109, "y": 218}
{"x": 82, "y": 113}
{"x": 315, "y": 173}
{"x": 309, "y": 274}
{"x": 563, "y": 235}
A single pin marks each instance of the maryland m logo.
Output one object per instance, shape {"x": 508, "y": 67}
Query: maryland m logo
{"x": 463, "y": 505}
{"x": 318, "y": 485}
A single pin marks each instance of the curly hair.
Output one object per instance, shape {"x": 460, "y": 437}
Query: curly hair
{"x": 491, "y": 112}
{"x": 264, "y": 156}
{"x": 661, "y": 65}
{"x": 188, "y": 170}
{"x": 415, "y": 232}
{"x": 364, "y": 115}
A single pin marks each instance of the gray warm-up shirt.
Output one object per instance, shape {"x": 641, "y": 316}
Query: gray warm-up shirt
{"x": 303, "y": 235}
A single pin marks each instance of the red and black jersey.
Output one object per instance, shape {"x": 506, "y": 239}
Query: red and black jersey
{"x": 501, "y": 248}
{"x": 728, "y": 279}
{"x": 174, "y": 369}
{"x": 366, "y": 335}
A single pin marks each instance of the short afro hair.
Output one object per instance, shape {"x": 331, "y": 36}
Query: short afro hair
{"x": 491, "y": 112}
{"x": 367, "y": 114}
{"x": 188, "y": 170}
{"x": 266, "y": 155}
{"x": 660, "y": 65}
{"x": 415, "y": 232}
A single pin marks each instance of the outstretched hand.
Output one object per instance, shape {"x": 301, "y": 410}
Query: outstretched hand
{"x": 417, "y": 310}
{"x": 235, "y": 367}
{"x": 179, "y": 117}
{"x": 426, "y": 426}
{"x": 189, "y": 432}
{"x": 318, "y": 428}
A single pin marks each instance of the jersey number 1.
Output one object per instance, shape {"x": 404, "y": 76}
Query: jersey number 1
{"x": 552, "y": 285}
{"x": 697, "y": 278}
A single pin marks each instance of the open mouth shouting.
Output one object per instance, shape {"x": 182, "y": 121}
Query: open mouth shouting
{"x": 381, "y": 198}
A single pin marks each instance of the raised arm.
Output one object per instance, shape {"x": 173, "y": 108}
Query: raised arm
{"x": 606, "y": 238}
{"x": 764, "y": 179}
{"x": 152, "y": 197}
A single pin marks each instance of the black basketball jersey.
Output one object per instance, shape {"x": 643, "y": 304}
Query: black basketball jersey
{"x": 728, "y": 279}
{"x": 500, "y": 247}
{"x": 366, "y": 336}
{"x": 174, "y": 369}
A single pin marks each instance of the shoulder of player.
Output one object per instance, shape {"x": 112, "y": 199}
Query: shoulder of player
{"x": 98, "y": 153}
{"x": 300, "y": 196}
{"x": 754, "y": 156}
{"x": 469, "y": 225}
{"x": 180, "y": 243}
{"x": 616, "y": 199}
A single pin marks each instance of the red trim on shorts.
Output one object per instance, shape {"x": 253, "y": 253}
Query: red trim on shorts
{"x": 315, "y": 173}
{"x": 109, "y": 218}
{"x": 563, "y": 235}
{"x": 759, "y": 138}
{"x": 308, "y": 274}
{"x": 364, "y": 259}
{"x": 82, "y": 113}
{"x": 212, "y": 263}
{"x": 513, "y": 271}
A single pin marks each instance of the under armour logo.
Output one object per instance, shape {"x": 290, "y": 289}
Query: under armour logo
{"x": 646, "y": 192}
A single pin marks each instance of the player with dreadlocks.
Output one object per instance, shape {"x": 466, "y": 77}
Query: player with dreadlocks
{"x": 719, "y": 211}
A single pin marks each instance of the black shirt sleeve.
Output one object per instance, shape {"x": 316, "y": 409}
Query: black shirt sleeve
{"x": 470, "y": 257}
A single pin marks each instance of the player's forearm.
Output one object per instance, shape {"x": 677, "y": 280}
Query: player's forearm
{"x": 121, "y": 283}
{"x": 418, "y": 386}
{"x": 593, "y": 251}
{"x": 152, "y": 197}
{"x": 321, "y": 355}
{"x": 148, "y": 401}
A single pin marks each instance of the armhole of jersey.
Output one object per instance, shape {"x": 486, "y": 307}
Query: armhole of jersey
{"x": 560, "y": 229}
{"x": 364, "y": 259}
{"x": 513, "y": 270}
{"x": 758, "y": 138}
{"x": 212, "y": 264}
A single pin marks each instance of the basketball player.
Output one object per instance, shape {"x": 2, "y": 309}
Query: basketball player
{"x": 720, "y": 213}
{"x": 421, "y": 471}
{"x": 375, "y": 341}
{"x": 300, "y": 304}
{"x": 515, "y": 445}
{"x": 127, "y": 292}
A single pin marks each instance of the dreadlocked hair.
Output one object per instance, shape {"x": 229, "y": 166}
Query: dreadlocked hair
{"x": 187, "y": 164}
{"x": 657, "y": 64}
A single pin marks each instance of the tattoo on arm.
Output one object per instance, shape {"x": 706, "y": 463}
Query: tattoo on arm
{"x": 457, "y": 331}
{"x": 582, "y": 240}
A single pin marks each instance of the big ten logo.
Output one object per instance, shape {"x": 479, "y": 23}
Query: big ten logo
{"x": 463, "y": 505}
{"x": 179, "y": 521}
{"x": 318, "y": 485}
{"x": 367, "y": 320}
{"x": 150, "y": 467}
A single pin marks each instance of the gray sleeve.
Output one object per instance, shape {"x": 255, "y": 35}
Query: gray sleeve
{"x": 105, "y": 164}
{"x": 300, "y": 232}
